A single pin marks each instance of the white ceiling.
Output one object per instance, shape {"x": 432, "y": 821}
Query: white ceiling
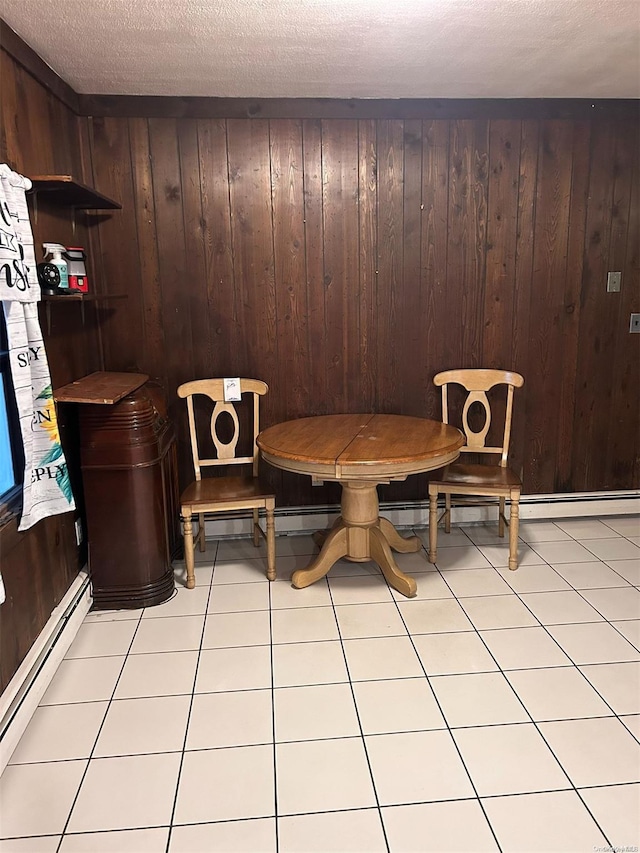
{"x": 338, "y": 48}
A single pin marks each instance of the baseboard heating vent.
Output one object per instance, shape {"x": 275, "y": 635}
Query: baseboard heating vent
{"x": 27, "y": 687}
{"x": 305, "y": 519}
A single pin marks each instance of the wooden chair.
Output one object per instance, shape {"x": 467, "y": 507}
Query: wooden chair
{"x": 485, "y": 480}
{"x": 225, "y": 493}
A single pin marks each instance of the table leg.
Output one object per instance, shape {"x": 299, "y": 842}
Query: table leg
{"x": 397, "y": 542}
{"x": 335, "y": 547}
{"x": 359, "y": 534}
{"x": 320, "y": 536}
{"x": 381, "y": 553}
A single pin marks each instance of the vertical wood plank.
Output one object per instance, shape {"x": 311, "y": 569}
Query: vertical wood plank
{"x": 570, "y": 318}
{"x": 413, "y": 369}
{"x": 519, "y": 456}
{"x": 299, "y": 488}
{"x": 314, "y": 265}
{"x": 392, "y": 290}
{"x": 467, "y": 241}
{"x": 35, "y": 149}
{"x": 547, "y": 301}
{"x": 252, "y": 240}
{"x": 195, "y": 277}
{"x": 66, "y": 151}
{"x": 220, "y": 280}
{"x": 90, "y": 233}
{"x": 434, "y": 299}
{"x": 368, "y": 243}
{"x": 287, "y": 199}
{"x": 340, "y": 224}
{"x": 390, "y": 264}
{"x": 411, "y": 356}
{"x": 623, "y": 436}
{"x": 10, "y": 148}
{"x": 120, "y": 256}
{"x": 598, "y": 309}
{"x": 153, "y": 344}
{"x": 290, "y": 278}
{"x": 502, "y": 219}
{"x": 172, "y": 264}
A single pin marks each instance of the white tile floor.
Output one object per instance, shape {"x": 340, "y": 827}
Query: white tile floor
{"x": 495, "y": 711}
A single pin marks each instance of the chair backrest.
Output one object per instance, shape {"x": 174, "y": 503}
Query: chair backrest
{"x": 477, "y": 382}
{"x": 225, "y": 450}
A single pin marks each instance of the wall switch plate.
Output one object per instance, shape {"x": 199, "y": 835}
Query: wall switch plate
{"x": 634, "y": 323}
{"x": 614, "y": 279}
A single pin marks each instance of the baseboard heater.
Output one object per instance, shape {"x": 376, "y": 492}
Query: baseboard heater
{"x": 292, "y": 520}
{"x": 27, "y": 687}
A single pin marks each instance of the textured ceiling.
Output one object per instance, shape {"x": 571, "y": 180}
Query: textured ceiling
{"x": 338, "y": 48}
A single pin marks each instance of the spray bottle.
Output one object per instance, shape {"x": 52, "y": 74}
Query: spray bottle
{"x": 57, "y": 260}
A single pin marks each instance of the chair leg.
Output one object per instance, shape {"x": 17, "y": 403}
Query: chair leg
{"x": 201, "y": 542}
{"x": 501, "y": 511}
{"x": 188, "y": 548}
{"x": 514, "y": 518}
{"x": 447, "y": 514}
{"x": 433, "y": 526}
{"x": 256, "y": 529}
{"x": 271, "y": 545}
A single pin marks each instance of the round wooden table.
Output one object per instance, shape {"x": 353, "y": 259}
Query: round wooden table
{"x": 360, "y": 452}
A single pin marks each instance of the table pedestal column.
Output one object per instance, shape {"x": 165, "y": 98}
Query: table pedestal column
{"x": 359, "y": 534}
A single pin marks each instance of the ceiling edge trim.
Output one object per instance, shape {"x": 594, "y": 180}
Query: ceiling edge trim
{"x": 142, "y": 106}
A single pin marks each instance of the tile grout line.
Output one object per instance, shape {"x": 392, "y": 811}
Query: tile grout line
{"x": 573, "y": 663}
{"x": 357, "y": 712}
{"x": 574, "y": 787}
{"x": 188, "y": 721}
{"x": 273, "y": 724}
{"x": 448, "y": 727}
{"x": 95, "y": 743}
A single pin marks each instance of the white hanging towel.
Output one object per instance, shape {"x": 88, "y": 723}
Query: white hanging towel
{"x": 46, "y": 488}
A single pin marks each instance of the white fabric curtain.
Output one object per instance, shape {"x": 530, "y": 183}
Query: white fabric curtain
{"x": 46, "y": 489}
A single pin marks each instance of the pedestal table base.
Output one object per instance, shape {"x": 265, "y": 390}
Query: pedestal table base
{"x": 359, "y": 534}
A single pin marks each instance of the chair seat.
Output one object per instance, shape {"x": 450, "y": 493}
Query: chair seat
{"x": 225, "y": 489}
{"x": 470, "y": 475}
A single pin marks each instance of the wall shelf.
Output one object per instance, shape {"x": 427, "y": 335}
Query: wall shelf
{"x": 103, "y": 387}
{"x": 48, "y": 298}
{"x": 64, "y": 190}
{"x": 81, "y": 297}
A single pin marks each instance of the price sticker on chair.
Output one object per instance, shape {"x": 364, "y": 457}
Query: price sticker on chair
{"x": 232, "y": 390}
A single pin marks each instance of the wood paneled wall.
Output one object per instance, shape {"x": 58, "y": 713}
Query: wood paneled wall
{"x": 39, "y": 135}
{"x": 346, "y": 261}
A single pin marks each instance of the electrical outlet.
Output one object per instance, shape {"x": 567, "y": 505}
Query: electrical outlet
{"x": 614, "y": 279}
{"x": 78, "y": 532}
{"x": 634, "y": 323}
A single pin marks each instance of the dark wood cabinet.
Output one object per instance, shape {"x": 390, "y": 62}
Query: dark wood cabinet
{"x": 129, "y": 476}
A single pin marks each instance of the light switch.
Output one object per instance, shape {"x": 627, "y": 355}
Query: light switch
{"x": 614, "y": 280}
{"x": 634, "y": 323}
